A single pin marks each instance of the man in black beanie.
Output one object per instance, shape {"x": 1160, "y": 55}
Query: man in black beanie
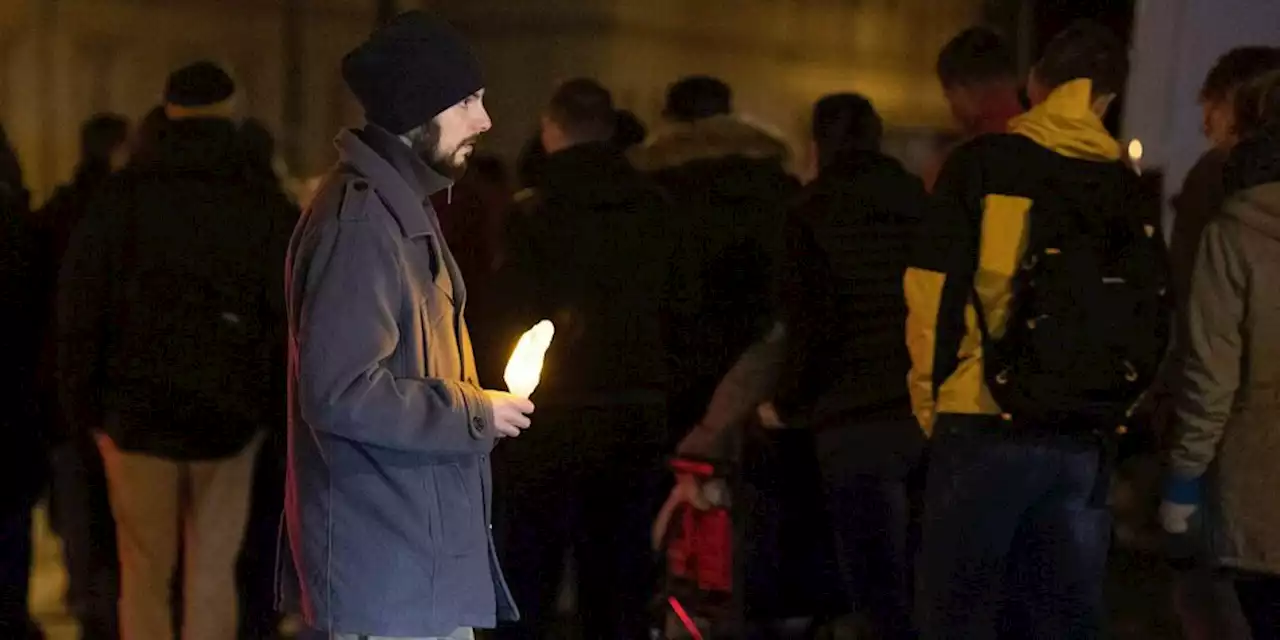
{"x": 389, "y": 481}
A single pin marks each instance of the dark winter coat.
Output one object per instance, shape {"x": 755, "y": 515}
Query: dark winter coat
{"x": 170, "y": 302}
{"x": 389, "y": 481}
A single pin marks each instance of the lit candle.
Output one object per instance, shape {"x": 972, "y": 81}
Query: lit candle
{"x": 1135, "y": 154}
{"x": 524, "y": 369}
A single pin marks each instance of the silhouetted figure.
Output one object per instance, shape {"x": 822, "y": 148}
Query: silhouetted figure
{"x": 630, "y": 131}
{"x": 729, "y": 188}
{"x": 591, "y": 252}
{"x": 22, "y": 458}
{"x": 79, "y": 508}
{"x": 171, "y": 320}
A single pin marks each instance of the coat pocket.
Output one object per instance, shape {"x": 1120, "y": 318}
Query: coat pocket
{"x": 461, "y": 531}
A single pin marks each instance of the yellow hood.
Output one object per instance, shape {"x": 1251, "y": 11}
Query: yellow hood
{"x": 1065, "y": 123}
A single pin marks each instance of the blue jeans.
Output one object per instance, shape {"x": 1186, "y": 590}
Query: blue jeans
{"x": 1016, "y": 534}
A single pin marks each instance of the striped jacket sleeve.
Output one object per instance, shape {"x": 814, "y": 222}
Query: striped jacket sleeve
{"x": 939, "y": 278}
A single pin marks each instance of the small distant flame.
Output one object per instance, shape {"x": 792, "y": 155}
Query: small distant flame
{"x": 1135, "y": 150}
{"x": 524, "y": 369}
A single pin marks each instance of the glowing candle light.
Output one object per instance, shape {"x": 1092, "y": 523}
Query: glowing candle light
{"x": 524, "y": 369}
{"x": 1135, "y": 154}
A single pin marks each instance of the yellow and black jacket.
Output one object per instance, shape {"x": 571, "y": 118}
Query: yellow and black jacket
{"x": 972, "y": 242}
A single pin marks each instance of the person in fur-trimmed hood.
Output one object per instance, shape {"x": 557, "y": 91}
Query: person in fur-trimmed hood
{"x": 727, "y": 182}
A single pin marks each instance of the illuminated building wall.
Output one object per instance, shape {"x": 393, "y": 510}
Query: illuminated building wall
{"x": 63, "y": 60}
{"x": 779, "y": 55}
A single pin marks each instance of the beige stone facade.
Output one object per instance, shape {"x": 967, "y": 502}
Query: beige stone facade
{"x": 779, "y": 55}
{"x": 62, "y": 60}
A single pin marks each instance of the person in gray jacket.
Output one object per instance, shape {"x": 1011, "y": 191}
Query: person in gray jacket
{"x": 1226, "y": 448}
{"x": 388, "y": 487}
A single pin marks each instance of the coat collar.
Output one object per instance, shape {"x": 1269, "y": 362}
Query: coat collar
{"x": 397, "y": 175}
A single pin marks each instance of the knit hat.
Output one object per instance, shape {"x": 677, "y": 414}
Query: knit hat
{"x": 198, "y": 85}
{"x": 199, "y": 90}
{"x": 411, "y": 70}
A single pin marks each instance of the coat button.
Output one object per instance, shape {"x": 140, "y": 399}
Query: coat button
{"x": 361, "y": 185}
{"x": 477, "y": 424}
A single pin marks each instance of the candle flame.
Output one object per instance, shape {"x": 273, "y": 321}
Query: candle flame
{"x": 524, "y": 369}
{"x": 1135, "y": 150}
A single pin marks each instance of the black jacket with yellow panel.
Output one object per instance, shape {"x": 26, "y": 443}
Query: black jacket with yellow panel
{"x": 972, "y": 243}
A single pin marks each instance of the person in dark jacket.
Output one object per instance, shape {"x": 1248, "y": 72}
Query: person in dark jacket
{"x": 14, "y": 195}
{"x": 630, "y": 130}
{"x": 22, "y": 471}
{"x": 79, "y": 509}
{"x": 590, "y": 254}
{"x": 388, "y": 485}
{"x": 729, "y": 188}
{"x": 978, "y": 70}
{"x": 170, "y": 317}
{"x": 836, "y": 363}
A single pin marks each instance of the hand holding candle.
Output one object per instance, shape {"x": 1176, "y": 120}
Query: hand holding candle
{"x": 524, "y": 369}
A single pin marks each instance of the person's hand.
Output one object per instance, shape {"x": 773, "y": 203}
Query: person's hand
{"x": 510, "y": 413}
{"x": 1180, "y": 501}
{"x": 687, "y": 491}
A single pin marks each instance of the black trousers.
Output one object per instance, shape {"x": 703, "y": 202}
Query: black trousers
{"x": 256, "y": 565}
{"x": 1260, "y": 602}
{"x": 873, "y": 509}
{"x": 81, "y": 515}
{"x": 587, "y": 481}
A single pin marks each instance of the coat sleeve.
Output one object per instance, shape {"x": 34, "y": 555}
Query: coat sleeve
{"x": 1213, "y": 349}
{"x": 749, "y": 383}
{"x": 939, "y": 276}
{"x": 347, "y": 330}
{"x": 83, "y": 298}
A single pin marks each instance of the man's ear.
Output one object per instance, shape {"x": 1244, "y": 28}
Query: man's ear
{"x": 1102, "y": 103}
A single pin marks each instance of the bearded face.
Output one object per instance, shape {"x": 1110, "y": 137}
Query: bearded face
{"x": 446, "y": 143}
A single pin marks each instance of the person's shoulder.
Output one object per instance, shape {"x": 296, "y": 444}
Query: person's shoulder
{"x": 992, "y": 148}
{"x": 344, "y": 196}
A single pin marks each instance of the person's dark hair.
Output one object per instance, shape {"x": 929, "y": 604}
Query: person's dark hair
{"x": 13, "y": 191}
{"x": 845, "y": 123}
{"x": 151, "y": 132}
{"x": 258, "y": 143}
{"x": 1085, "y": 50}
{"x": 696, "y": 98}
{"x": 583, "y": 108}
{"x": 1257, "y": 104}
{"x": 100, "y": 136}
{"x": 630, "y": 131}
{"x": 530, "y": 162}
{"x": 1235, "y": 68}
{"x": 488, "y": 168}
{"x": 975, "y": 56}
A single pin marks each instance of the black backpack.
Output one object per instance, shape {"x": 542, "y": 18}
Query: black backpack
{"x": 1090, "y": 313}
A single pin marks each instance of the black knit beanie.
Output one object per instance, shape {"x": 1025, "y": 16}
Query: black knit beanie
{"x": 411, "y": 70}
{"x": 198, "y": 85}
